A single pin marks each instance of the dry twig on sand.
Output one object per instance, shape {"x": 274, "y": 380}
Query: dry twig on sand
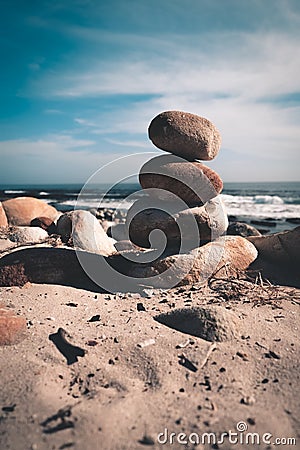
{"x": 244, "y": 288}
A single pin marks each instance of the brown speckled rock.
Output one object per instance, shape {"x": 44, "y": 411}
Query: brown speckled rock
{"x": 280, "y": 248}
{"x": 185, "y": 134}
{"x": 278, "y": 257}
{"x": 12, "y": 328}
{"x": 193, "y": 182}
{"x": 212, "y": 323}
{"x": 22, "y": 210}
{"x": 197, "y": 266}
{"x": 178, "y": 227}
{"x": 3, "y": 218}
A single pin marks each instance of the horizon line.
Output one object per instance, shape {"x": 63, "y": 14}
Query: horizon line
{"x": 3, "y": 185}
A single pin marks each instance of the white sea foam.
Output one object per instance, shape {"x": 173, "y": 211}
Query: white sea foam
{"x": 260, "y": 206}
{"x": 92, "y": 203}
{"x": 256, "y": 206}
{"x": 50, "y": 200}
{"x": 14, "y": 192}
{"x": 268, "y": 199}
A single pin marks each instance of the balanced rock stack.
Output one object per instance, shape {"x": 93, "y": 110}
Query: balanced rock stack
{"x": 182, "y": 193}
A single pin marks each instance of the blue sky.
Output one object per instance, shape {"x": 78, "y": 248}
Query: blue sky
{"x": 81, "y": 81}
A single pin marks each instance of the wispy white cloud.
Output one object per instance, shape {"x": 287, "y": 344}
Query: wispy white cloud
{"x": 85, "y": 122}
{"x": 245, "y": 65}
{"x": 53, "y": 111}
{"x": 52, "y": 145}
{"x": 132, "y": 144}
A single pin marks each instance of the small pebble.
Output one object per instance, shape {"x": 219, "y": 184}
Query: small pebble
{"x": 248, "y": 400}
{"x": 146, "y": 343}
{"x": 95, "y": 318}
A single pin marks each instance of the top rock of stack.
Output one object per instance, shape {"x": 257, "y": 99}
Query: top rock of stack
{"x": 185, "y": 134}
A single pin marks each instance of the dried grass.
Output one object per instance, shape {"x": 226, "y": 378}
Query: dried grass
{"x": 251, "y": 287}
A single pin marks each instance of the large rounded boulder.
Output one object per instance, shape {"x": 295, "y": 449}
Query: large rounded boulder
{"x": 160, "y": 225}
{"x": 185, "y": 134}
{"x": 3, "y": 218}
{"x": 22, "y": 210}
{"x": 222, "y": 258}
{"x": 193, "y": 182}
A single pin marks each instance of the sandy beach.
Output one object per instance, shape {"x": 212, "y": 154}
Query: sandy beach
{"x": 131, "y": 377}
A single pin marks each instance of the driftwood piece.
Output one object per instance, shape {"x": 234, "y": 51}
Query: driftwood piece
{"x": 64, "y": 267}
{"x": 45, "y": 265}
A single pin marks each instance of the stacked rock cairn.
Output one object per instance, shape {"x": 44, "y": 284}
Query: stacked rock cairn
{"x": 182, "y": 208}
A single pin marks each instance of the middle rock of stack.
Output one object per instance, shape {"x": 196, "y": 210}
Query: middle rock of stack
{"x": 182, "y": 193}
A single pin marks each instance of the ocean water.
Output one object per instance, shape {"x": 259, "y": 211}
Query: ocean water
{"x": 273, "y": 202}
{"x": 263, "y": 200}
